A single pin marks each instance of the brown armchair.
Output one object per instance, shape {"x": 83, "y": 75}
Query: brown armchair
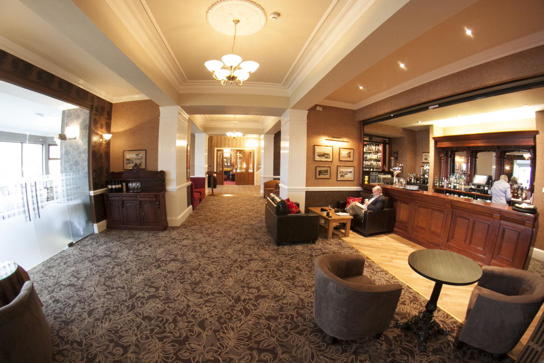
{"x": 347, "y": 304}
{"x": 24, "y": 333}
{"x": 500, "y": 309}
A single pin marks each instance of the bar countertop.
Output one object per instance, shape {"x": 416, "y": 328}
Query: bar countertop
{"x": 456, "y": 199}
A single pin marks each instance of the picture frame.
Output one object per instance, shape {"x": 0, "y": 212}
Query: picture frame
{"x": 425, "y": 157}
{"x": 322, "y": 153}
{"x": 322, "y": 172}
{"x": 134, "y": 158}
{"x": 345, "y": 173}
{"x": 346, "y": 154}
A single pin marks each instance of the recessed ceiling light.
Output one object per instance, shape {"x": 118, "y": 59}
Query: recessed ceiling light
{"x": 402, "y": 66}
{"x": 361, "y": 87}
{"x": 468, "y": 32}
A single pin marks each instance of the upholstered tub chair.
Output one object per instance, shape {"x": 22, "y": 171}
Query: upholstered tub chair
{"x": 24, "y": 333}
{"x": 500, "y": 309}
{"x": 348, "y": 305}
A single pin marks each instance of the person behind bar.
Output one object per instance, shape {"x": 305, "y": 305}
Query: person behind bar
{"x": 500, "y": 191}
{"x": 376, "y": 203}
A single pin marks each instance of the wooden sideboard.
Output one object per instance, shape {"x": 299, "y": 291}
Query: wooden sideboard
{"x": 145, "y": 210}
{"x": 488, "y": 233}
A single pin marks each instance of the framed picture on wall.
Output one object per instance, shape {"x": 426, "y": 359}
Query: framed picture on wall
{"x": 346, "y": 154}
{"x": 425, "y": 157}
{"x": 345, "y": 173}
{"x": 322, "y": 172}
{"x": 322, "y": 153}
{"x": 134, "y": 159}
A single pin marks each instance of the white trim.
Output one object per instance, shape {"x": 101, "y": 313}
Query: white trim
{"x": 250, "y": 88}
{"x": 130, "y": 98}
{"x": 335, "y": 189}
{"x": 178, "y": 187}
{"x": 322, "y": 189}
{"x": 331, "y": 103}
{"x": 538, "y": 254}
{"x": 98, "y": 191}
{"x": 271, "y": 176}
{"x": 503, "y": 50}
{"x": 177, "y": 221}
{"x": 100, "y": 226}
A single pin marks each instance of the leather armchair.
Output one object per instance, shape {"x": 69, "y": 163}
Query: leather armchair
{"x": 374, "y": 222}
{"x": 289, "y": 228}
{"x": 24, "y": 333}
{"x": 348, "y": 305}
{"x": 500, "y": 309}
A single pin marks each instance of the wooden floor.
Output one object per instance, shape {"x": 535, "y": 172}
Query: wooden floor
{"x": 391, "y": 253}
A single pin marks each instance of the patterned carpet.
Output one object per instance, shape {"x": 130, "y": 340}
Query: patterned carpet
{"x": 215, "y": 289}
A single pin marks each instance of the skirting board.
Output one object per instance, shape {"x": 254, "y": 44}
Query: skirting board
{"x": 100, "y": 226}
{"x": 177, "y": 221}
{"x": 538, "y": 254}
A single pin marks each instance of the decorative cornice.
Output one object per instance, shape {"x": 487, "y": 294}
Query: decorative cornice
{"x": 249, "y": 88}
{"x": 331, "y": 103}
{"x": 324, "y": 38}
{"x": 139, "y": 20}
{"x": 138, "y": 97}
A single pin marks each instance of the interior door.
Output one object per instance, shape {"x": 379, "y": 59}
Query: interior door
{"x": 219, "y": 166}
{"x": 244, "y": 167}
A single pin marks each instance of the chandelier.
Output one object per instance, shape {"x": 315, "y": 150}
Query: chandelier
{"x": 231, "y": 68}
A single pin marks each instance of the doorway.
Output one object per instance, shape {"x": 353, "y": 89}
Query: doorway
{"x": 44, "y": 183}
{"x": 235, "y": 166}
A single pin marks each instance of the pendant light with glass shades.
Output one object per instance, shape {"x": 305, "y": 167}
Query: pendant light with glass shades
{"x": 231, "y": 68}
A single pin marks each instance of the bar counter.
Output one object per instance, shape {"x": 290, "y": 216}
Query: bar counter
{"x": 491, "y": 234}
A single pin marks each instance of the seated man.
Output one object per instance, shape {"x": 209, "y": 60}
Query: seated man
{"x": 376, "y": 203}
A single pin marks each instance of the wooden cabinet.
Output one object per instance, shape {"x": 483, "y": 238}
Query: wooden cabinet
{"x": 145, "y": 210}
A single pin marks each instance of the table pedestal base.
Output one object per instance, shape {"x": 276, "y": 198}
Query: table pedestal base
{"x": 424, "y": 325}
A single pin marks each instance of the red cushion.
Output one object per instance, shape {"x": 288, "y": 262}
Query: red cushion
{"x": 350, "y": 200}
{"x": 293, "y": 208}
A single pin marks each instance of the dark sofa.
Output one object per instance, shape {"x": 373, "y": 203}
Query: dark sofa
{"x": 289, "y": 228}
{"x": 374, "y": 222}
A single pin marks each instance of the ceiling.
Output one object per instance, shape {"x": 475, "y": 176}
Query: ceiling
{"x": 247, "y": 124}
{"x": 317, "y": 52}
{"x": 36, "y": 114}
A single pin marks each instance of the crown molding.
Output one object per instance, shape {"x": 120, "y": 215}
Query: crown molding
{"x": 249, "y": 88}
{"x": 331, "y": 103}
{"x": 139, "y": 20}
{"x": 488, "y": 55}
{"x": 340, "y": 18}
{"x": 130, "y": 98}
{"x": 51, "y": 67}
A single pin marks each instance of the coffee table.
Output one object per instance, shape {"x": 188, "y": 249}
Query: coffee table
{"x": 329, "y": 220}
{"x": 442, "y": 267}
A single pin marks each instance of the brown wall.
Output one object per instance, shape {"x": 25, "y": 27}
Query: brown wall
{"x": 539, "y": 179}
{"x": 135, "y": 126}
{"x": 332, "y": 122}
{"x": 406, "y": 148}
{"x": 277, "y": 153}
{"x": 222, "y": 141}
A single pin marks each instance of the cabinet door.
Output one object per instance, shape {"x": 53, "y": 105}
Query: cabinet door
{"x": 512, "y": 246}
{"x": 131, "y": 212}
{"x": 114, "y": 211}
{"x": 151, "y": 211}
{"x": 430, "y": 224}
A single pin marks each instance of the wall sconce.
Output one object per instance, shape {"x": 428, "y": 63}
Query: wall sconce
{"x": 334, "y": 140}
{"x": 106, "y": 137}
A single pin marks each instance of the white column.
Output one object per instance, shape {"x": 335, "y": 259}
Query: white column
{"x": 293, "y": 156}
{"x": 267, "y": 159}
{"x": 173, "y": 140}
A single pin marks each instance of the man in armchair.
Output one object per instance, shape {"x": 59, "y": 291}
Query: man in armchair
{"x": 374, "y": 204}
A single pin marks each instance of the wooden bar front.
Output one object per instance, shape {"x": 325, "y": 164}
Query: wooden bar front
{"x": 488, "y": 233}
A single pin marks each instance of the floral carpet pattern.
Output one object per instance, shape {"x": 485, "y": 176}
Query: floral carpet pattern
{"x": 216, "y": 289}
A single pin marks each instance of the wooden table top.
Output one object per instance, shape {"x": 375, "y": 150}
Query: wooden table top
{"x": 334, "y": 216}
{"x": 445, "y": 266}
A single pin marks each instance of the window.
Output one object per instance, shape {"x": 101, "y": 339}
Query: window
{"x": 54, "y": 159}
{"x": 32, "y": 160}
{"x": 11, "y": 167}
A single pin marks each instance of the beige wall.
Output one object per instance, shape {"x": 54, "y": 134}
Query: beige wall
{"x": 332, "y": 122}
{"x": 134, "y": 126}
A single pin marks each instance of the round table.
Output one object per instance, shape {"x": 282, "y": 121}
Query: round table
{"x": 12, "y": 279}
{"x": 442, "y": 267}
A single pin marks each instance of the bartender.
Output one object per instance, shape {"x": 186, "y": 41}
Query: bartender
{"x": 500, "y": 191}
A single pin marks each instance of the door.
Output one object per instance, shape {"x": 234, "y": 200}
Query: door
{"x": 151, "y": 211}
{"x": 219, "y": 166}
{"x": 244, "y": 167}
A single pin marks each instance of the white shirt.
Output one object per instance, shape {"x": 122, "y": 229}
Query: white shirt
{"x": 500, "y": 192}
